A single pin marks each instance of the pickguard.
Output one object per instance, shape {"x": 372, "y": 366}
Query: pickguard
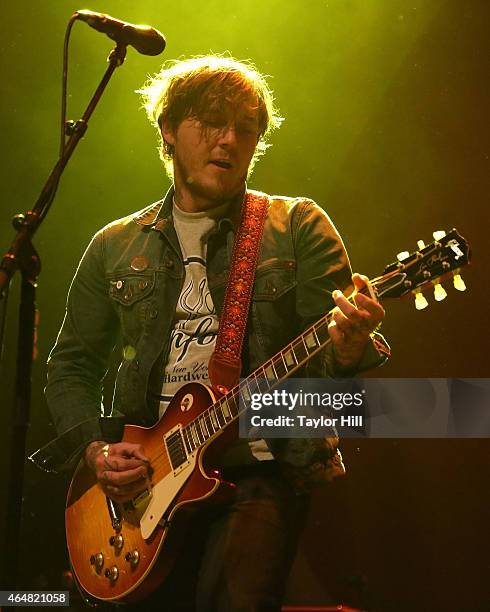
{"x": 163, "y": 494}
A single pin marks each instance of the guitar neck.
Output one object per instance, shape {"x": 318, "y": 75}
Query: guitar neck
{"x": 282, "y": 365}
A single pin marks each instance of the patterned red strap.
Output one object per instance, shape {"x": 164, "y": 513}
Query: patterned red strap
{"x": 225, "y": 364}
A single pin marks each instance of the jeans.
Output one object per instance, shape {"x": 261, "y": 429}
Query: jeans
{"x": 237, "y": 558}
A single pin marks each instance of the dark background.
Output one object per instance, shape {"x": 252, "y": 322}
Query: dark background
{"x": 386, "y": 107}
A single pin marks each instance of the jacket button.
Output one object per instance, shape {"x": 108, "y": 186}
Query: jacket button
{"x": 119, "y": 284}
{"x": 169, "y": 263}
{"x": 139, "y": 263}
{"x": 143, "y": 285}
{"x": 153, "y": 313}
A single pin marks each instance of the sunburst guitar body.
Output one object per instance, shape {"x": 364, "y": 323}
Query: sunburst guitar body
{"x": 115, "y": 548}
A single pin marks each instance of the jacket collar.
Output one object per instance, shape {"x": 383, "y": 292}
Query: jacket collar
{"x": 158, "y": 215}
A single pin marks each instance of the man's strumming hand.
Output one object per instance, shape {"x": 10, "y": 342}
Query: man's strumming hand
{"x": 122, "y": 469}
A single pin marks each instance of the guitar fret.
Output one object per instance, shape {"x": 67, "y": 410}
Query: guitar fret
{"x": 321, "y": 330}
{"x": 195, "y": 434}
{"x": 220, "y": 416}
{"x": 226, "y": 410}
{"x": 262, "y": 383}
{"x": 280, "y": 367}
{"x": 254, "y": 385}
{"x": 300, "y": 350}
{"x": 190, "y": 442}
{"x": 209, "y": 422}
{"x": 214, "y": 418}
{"x": 186, "y": 441}
{"x": 195, "y": 439}
{"x": 270, "y": 373}
{"x": 198, "y": 431}
{"x": 245, "y": 391}
{"x": 244, "y": 395}
{"x": 302, "y": 338}
{"x": 311, "y": 340}
{"x": 232, "y": 405}
{"x": 202, "y": 424}
{"x": 290, "y": 358}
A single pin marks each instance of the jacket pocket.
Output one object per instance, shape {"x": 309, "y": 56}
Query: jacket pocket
{"x": 274, "y": 278}
{"x": 127, "y": 289}
{"x": 132, "y": 294}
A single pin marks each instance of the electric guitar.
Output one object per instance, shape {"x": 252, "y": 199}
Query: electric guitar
{"x": 122, "y": 552}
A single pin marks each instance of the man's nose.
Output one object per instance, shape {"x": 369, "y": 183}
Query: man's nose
{"x": 227, "y": 135}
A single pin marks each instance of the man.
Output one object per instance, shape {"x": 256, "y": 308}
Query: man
{"x": 157, "y": 279}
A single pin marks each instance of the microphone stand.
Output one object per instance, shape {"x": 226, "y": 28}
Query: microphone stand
{"x": 23, "y": 256}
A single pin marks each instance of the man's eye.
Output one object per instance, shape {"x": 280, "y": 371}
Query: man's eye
{"x": 214, "y": 123}
{"x": 247, "y": 129}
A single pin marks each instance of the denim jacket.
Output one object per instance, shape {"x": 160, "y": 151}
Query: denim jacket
{"x": 127, "y": 285}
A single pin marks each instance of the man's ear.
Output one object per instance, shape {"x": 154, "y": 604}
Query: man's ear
{"x": 168, "y": 134}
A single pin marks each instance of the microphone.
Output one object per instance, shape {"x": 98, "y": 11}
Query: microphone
{"x": 143, "y": 38}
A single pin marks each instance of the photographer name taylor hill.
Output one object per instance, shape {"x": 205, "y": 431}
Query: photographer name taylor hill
{"x": 278, "y": 403}
{"x": 302, "y": 420}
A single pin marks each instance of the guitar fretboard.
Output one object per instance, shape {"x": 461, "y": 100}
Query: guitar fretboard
{"x": 290, "y": 359}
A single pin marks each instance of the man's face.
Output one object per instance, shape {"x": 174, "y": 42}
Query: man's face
{"x": 212, "y": 154}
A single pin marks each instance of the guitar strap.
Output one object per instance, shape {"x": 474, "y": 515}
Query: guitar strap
{"x": 225, "y": 363}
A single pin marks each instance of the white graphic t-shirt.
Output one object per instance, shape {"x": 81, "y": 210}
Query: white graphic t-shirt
{"x": 195, "y": 328}
{"x": 193, "y": 337}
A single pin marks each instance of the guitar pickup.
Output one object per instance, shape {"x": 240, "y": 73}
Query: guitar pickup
{"x": 141, "y": 499}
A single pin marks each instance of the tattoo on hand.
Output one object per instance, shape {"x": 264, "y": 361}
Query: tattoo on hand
{"x": 91, "y": 452}
{"x": 108, "y": 465}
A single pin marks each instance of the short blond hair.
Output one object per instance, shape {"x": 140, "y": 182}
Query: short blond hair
{"x": 188, "y": 88}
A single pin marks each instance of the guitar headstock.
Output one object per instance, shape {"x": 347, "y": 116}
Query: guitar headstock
{"x": 427, "y": 267}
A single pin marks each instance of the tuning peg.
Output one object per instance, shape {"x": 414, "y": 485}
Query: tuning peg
{"x": 439, "y": 292}
{"x": 459, "y": 283}
{"x": 420, "y": 244}
{"x": 420, "y": 301}
{"x": 403, "y": 255}
{"x": 438, "y": 235}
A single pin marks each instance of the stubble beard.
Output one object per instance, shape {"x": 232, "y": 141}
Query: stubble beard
{"x": 215, "y": 191}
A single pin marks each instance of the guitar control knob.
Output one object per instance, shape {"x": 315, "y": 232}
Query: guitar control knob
{"x": 97, "y": 560}
{"x": 133, "y": 557}
{"x": 116, "y": 541}
{"x": 112, "y": 573}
